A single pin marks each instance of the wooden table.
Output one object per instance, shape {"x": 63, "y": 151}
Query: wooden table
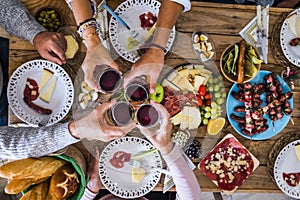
{"x": 222, "y": 23}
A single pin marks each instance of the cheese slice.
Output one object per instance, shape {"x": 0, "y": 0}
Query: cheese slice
{"x": 137, "y": 174}
{"x": 167, "y": 83}
{"x": 194, "y": 118}
{"x": 297, "y": 151}
{"x": 47, "y": 94}
{"x": 184, "y": 84}
{"x": 292, "y": 21}
{"x": 199, "y": 80}
{"x": 176, "y": 119}
{"x": 46, "y": 75}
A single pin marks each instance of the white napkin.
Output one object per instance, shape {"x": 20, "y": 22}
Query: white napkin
{"x": 249, "y": 32}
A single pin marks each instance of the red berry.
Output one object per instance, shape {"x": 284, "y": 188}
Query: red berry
{"x": 202, "y": 90}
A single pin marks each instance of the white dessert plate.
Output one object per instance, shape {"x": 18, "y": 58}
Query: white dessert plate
{"x": 62, "y": 98}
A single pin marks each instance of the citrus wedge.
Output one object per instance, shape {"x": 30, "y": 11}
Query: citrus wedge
{"x": 214, "y": 126}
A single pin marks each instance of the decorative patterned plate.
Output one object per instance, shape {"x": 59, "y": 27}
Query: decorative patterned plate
{"x": 287, "y": 162}
{"x": 279, "y": 125}
{"x": 62, "y": 98}
{"x": 130, "y": 11}
{"x": 286, "y": 35}
{"x": 119, "y": 181}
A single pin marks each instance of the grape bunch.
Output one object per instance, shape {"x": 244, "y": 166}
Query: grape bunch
{"x": 194, "y": 150}
{"x": 214, "y": 87}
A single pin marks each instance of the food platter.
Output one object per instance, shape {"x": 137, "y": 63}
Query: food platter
{"x": 182, "y": 84}
{"x": 228, "y": 164}
{"x": 130, "y": 11}
{"x": 292, "y": 53}
{"x": 119, "y": 180}
{"x": 287, "y": 162}
{"x": 62, "y": 98}
{"x": 273, "y": 128}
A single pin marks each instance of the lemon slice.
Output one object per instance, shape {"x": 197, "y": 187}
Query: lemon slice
{"x": 214, "y": 126}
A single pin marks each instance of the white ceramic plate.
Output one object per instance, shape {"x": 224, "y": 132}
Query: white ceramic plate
{"x": 62, "y": 98}
{"x": 130, "y": 11}
{"x": 286, "y": 35}
{"x": 287, "y": 162}
{"x": 118, "y": 181}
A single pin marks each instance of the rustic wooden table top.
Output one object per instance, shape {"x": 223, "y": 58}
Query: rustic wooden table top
{"x": 222, "y": 22}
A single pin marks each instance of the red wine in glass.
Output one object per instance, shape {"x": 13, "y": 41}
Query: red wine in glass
{"x": 122, "y": 113}
{"x": 137, "y": 92}
{"x": 147, "y": 115}
{"x": 109, "y": 79}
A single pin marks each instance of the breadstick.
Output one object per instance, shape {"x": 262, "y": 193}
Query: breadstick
{"x": 241, "y": 62}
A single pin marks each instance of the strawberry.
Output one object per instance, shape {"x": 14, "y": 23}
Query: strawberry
{"x": 200, "y": 102}
{"x": 208, "y": 96}
{"x": 202, "y": 90}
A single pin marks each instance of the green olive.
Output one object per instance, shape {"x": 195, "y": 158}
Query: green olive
{"x": 58, "y": 23}
{"x": 40, "y": 19}
{"x": 53, "y": 16}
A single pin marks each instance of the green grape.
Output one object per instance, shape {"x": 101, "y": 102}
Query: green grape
{"x": 210, "y": 88}
{"x": 214, "y": 105}
{"x": 218, "y": 95}
{"x": 214, "y": 116}
{"x": 220, "y": 101}
{"x": 211, "y": 81}
{"x": 207, "y": 115}
{"x": 205, "y": 121}
{"x": 216, "y": 88}
{"x": 202, "y": 112}
{"x": 207, "y": 108}
{"x": 224, "y": 95}
{"x": 214, "y": 111}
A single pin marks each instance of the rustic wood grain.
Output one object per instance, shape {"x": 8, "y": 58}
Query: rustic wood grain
{"x": 222, "y": 22}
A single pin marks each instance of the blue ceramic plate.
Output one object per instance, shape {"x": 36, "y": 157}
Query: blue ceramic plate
{"x": 278, "y": 124}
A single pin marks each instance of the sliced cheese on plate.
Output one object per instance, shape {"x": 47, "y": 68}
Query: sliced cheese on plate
{"x": 138, "y": 174}
{"x": 47, "y": 94}
{"x": 199, "y": 80}
{"x": 297, "y": 151}
{"x": 46, "y": 75}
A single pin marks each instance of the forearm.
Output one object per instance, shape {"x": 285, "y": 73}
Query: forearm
{"x": 18, "y": 143}
{"x": 17, "y": 20}
{"x": 167, "y": 17}
{"x": 187, "y": 186}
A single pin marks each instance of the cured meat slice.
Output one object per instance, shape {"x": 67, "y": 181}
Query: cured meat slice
{"x": 119, "y": 158}
{"x": 292, "y": 179}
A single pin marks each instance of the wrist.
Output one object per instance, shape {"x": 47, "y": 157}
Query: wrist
{"x": 167, "y": 148}
{"x": 157, "y": 47}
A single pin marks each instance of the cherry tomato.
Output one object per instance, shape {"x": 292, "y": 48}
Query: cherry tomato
{"x": 200, "y": 102}
{"x": 208, "y": 96}
{"x": 202, "y": 90}
{"x": 207, "y": 102}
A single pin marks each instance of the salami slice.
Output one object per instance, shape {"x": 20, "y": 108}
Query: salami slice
{"x": 292, "y": 179}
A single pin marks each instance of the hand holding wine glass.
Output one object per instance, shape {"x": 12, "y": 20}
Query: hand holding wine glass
{"x": 160, "y": 138}
{"x": 94, "y": 125}
{"x": 96, "y": 57}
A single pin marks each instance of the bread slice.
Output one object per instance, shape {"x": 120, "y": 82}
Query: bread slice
{"x": 46, "y": 76}
{"x": 72, "y": 47}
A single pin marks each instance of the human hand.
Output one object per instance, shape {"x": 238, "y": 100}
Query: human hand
{"x": 151, "y": 64}
{"x": 51, "y": 46}
{"x": 94, "y": 184}
{"x": 94, "y": 126}
{"x": 160, "y": 138}
{"x": 96, "y": 57}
